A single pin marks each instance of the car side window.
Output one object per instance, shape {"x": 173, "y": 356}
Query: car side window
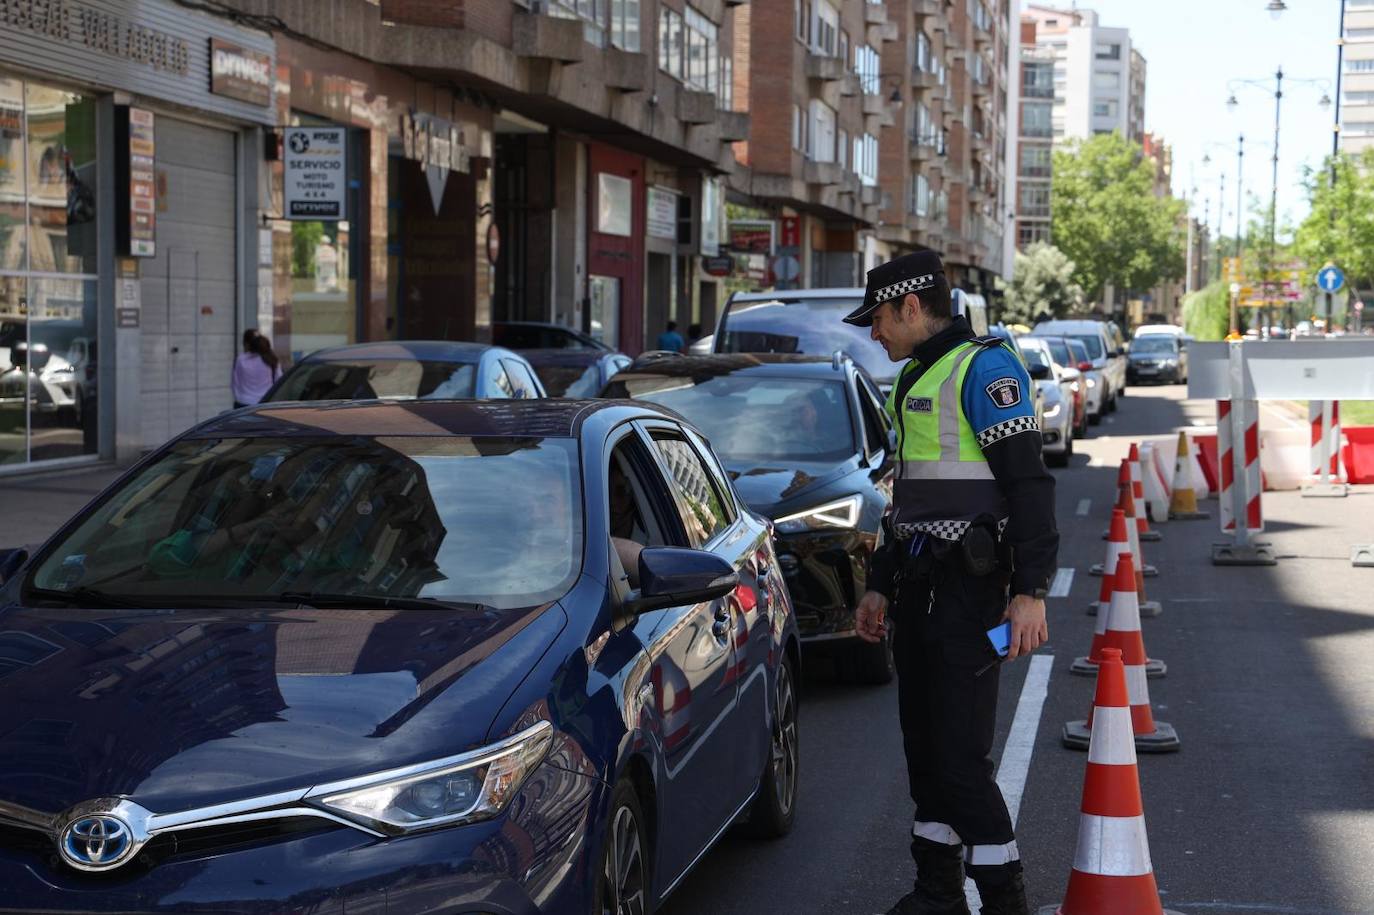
{"x": 718, "y": 476}
{"x": 631, "y": 519}
{"x": 521, "y": 381}
{"x": 875, "y": 429}
{"x": 702, "y": 513}
{"x": 500, "y": 384}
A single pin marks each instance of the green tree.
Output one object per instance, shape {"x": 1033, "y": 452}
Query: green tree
{"x": 1041, "y": 283}
{"x": 1106, "y": 218}
{"x": 1340, "y": 226}
{"x": 1207, "y": 312}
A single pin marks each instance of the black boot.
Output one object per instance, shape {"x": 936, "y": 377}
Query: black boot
{"x": 1003, "y": 891}
{"x": 939, "y": 888}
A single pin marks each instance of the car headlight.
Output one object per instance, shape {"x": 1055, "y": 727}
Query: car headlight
{"x": 463, "y": 789}
{"x": 1053, "y": 409}
{"x": 842, "y": 513}
{"x": 1091, "y": 384}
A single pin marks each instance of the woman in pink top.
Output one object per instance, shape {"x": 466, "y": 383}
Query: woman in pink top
{"x": 254, "y": 370}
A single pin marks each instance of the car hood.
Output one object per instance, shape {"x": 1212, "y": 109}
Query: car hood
{"x": 180, "y": 709}
{"x": 1151, "y": 357}
{"x": 771, "y": 489}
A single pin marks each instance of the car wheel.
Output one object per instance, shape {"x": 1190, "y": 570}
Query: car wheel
{"x": 775, "y": 807}
{"x": 1060, "y": 458}
{"x": 1095, "y": 418}
{"x": 623, "y": 881}
{"x": 871, "y": 664}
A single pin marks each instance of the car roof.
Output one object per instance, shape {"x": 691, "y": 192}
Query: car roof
{"x": 570, "y": 357}
{"x": 800, "y": 295}
{"x": 536, "y": 418}
{"x": 775, "y": 365}
{"x": 1066, "y": 325}
{"x": 433, "y": 350}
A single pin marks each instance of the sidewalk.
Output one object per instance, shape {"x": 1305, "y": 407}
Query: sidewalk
{"x": 34, "y": 506}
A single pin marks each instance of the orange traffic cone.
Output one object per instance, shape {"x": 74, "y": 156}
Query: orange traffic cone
{"x": 1126, "y": 502}
{"x": 1183, "y": 504}
{"x": 1142, "y": 517}
{"x": 1131, "y": 544}
{"x": 1112, "y": 873}
{"x": 1114, "y": 604}
{"x": 1123, "y": 633}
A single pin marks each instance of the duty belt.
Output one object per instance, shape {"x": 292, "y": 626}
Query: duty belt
{"x": 952, "y": 531}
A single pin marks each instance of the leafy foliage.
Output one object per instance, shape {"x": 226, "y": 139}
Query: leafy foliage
{"x": 1041, "y": 283}
{"x": 1207, "y": 312}
{"x": 1340, "y": 226}
{"x": 1107, "y": 219}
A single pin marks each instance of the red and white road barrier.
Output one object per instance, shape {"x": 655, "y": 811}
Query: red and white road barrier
{"x": 1251, "y": 483}
{"x": 1326, "y": 474}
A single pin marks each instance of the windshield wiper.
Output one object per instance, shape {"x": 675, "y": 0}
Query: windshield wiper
{"x": 372, "y": 601}
{"x": 80, "y": 596}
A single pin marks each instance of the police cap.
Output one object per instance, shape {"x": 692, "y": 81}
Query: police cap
{"x": 917, "y": 272}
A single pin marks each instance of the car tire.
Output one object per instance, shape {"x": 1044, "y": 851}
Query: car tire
{"x": 1095, "y": 418}
{"x": 626, "y": 848}
{"x": 868, "y": 664}
{"x": 1061, "y": 458}
{"x": 774, "y": 810}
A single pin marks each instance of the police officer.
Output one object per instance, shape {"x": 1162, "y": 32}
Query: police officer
{"x": 972, "y": 520}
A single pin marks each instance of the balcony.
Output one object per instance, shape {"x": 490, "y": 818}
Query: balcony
{"x": 875, "y": 13}
{"x": 824, "y": 67}
{"x": 734, "y": 125}
{"x": 875, "y": 103}
{"x": 979, "y": 142}
{"x": 825, "y": 174}
{"x": 695, "y": 107}
{"x": 625, "y": 70}
{"x": 982, "y": 88}
{"x": 871, "y": 195}
{"x": 547, "y": 37}
{"x": 921, "y": 150}
{"x": 850, "y": 86}
{"x": 927, "y": 9}
{"x": 920, "y": 79}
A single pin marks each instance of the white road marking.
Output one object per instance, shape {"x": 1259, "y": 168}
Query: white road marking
{"x": 1084, "y": 506}
{"x": 1063, "y": 581}
{"x": 1282, "y": 416}
{"x": 1016, "y": 754}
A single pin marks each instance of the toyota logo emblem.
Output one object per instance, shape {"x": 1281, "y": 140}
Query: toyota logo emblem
{"x": 95, "y": 843}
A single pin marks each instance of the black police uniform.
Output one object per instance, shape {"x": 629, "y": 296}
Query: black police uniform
{"x": 946, "y": 591}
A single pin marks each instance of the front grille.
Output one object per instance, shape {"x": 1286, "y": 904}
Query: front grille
{"x": 214, "y": 840}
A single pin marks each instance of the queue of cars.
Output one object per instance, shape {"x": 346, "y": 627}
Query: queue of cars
{"x": 413, "y": 635}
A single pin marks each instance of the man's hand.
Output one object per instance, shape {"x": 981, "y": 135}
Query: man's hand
{"x": 1028, "y": 627}
{"x": 870, "y": 616}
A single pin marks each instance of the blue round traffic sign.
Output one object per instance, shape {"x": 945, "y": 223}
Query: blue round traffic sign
{"x": 1330, "y": 278}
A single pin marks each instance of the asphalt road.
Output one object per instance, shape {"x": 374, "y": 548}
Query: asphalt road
{"x": 1268, "y": 807}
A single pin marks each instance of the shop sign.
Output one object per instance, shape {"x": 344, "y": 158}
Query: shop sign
{"x": 710, "y": 216}
{"x": 751, "y": 236}
{"x": 791, "y": 232}
{"x": 316, "y": 172}
{"x": 661, "y": 221}
{"x": 142, "y": 185}
{"x": 722, "y": 265}
{"x": 614, "y": 204}
{"x": 97, "y": 30}
{"x": 433, "y": 141}
{"x": 240, "y": 73}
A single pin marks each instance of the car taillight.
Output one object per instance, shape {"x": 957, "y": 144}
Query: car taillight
{"x": 1085, "y": 366}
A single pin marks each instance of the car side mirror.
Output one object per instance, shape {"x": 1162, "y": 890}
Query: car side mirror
{"x": 11, "y": 561}
{"x": 1040, "y": 371}
{"x": 673, "y": 577}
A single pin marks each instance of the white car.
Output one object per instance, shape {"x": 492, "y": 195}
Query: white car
{"x": 1057, "y": 392}
{"x": 1106, "y": 354}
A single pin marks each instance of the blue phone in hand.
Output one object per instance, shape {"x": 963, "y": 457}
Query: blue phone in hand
{"x": 1000, "y": 637}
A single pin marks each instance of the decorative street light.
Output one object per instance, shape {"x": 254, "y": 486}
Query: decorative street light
{"x": 1233, "y": 104}
{"x": 1276, "y": 8}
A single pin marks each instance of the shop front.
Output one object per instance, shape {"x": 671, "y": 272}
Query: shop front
{"x": 129, "y": 134}
{"x": 616, "y": 248}
{"x": 406, "y": 248}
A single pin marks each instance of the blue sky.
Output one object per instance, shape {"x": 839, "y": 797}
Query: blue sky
{"x": 1192, "y": 48}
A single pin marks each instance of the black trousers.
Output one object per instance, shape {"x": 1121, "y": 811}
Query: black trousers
{"x": 948, "y": 711}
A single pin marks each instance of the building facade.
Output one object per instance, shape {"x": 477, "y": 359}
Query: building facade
{"x": 1357, "y": 78}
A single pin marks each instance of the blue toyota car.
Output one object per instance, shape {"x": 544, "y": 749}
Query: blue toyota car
{"x": 414, "y": 657}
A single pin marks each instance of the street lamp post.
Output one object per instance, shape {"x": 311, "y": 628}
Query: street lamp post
{"x": 1276, "y": 6}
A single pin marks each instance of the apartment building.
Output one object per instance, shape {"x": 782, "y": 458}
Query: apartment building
{"x": 1078, "y": 79}
{"x": 1357, "y": 78}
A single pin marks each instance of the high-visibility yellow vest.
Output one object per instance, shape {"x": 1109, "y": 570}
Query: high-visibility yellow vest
{"x": 943, "y": 479}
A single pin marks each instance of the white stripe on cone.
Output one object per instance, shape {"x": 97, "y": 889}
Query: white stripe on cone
{"x": 1113, "y": 737}
{"x": 1112, "y": 846}
{"x": 1124, "y": 612}
{"x": 1136, "y": 689}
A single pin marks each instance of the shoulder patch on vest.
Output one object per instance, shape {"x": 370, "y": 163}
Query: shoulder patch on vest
{"x": 919, "y": 404}
{"x": 1004, "y": 392}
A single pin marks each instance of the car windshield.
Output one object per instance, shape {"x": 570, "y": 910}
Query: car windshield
{"x": 1159, "y": 343}
{"x": 759, "y": 419}
{"x": 372, "y": 379}
{"x": 813, "y": 327}
{"x": 1080, "y": 352}
{"x": 388, "y": 517}
{"x": 569, "y": 380}
{"x": 1060, "y": 351}
{"x": 1034, "y": 356}
{"x": 1092, "y": 343}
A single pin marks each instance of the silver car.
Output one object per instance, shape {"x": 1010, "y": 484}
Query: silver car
{"x": 1106, "y": 353}
{"x": 1056, "y": 390}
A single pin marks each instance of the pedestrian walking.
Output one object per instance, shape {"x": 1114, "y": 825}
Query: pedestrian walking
{"x": 671, "y": 340}
{"x": 255, "y": 369}
{"x": 972, "y": 520}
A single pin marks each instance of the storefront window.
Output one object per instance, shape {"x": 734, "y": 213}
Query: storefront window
{"x": 48, "y": 288}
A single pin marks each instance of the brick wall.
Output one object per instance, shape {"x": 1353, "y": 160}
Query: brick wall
{"x": 772, "y": 51}
{"x": 488, "y": 18}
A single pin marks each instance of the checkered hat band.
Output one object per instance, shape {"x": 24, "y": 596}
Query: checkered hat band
{"x": 915, "y": 284}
